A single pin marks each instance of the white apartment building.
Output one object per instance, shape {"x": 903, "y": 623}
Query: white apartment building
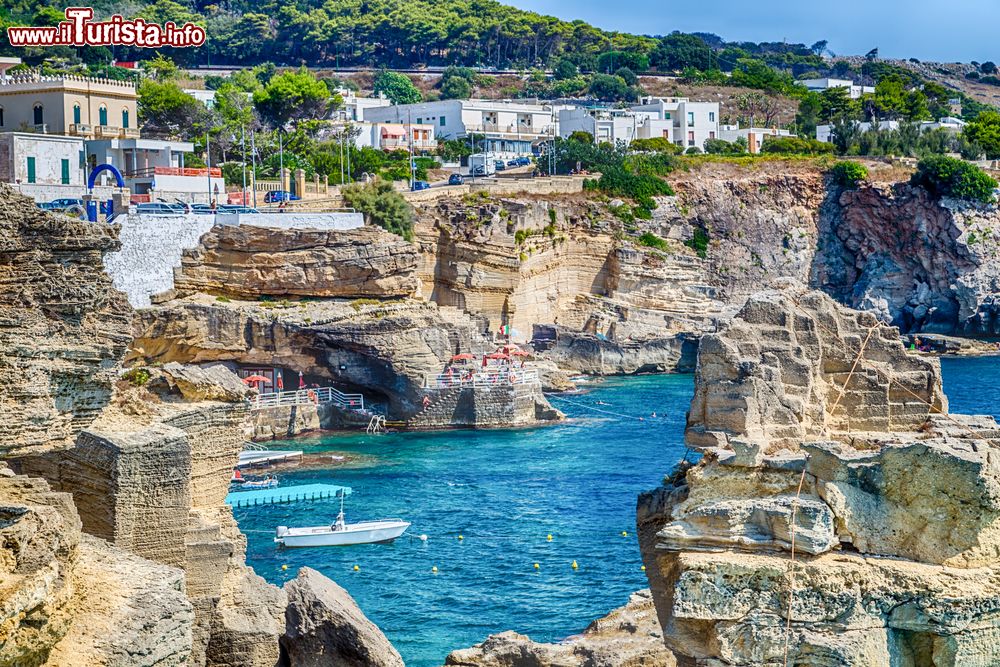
{"x": 693, "y": 122}
{"x": 754, "y": 136}
{"x": 510, "y": 128}
{"x": 354, "y": 107}
{"x": 43, "y": 166}
{"x": 853, "y": 89}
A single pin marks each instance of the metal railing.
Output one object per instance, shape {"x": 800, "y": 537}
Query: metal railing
{"x": 313, "y": 396}
{"x": 216, "y": 172}
{"x": 483, "y": 379}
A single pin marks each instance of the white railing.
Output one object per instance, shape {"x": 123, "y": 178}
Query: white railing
{"x": 483, "y": 379}
{"x": 309, "y": 396}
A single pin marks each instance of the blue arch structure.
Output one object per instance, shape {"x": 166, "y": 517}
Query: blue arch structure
{"x": 92, "y": 205}
{"x": 105, "y": 167}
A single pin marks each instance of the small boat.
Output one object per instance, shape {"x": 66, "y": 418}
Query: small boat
{"x": 341, "y": 533}
{"x": 268, "y": 482}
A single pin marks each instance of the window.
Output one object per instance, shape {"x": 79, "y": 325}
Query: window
{"x": 691, "y": 138}
{"x": 125, "y": 118}
{"x": 711, "y": 135}
{"x": 419, "y": 121}
{"x": 690, "y": 118}
{"x": 440, "y": 121}
{"x": 31, "y": 169}
{"x": 666, "y": 115}
{"x": 83, "y": 160}
{"x": 65, "y": 172}
{"x": 102, "y": 115}
{"x": 76, "y": 113}
{"x": 711, "y": 116}
{"x": 39, "y": 115}
{"x": 1, "y": 116}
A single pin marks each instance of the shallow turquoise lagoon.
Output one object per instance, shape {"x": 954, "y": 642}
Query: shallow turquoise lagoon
{"x": 505, "y": 491}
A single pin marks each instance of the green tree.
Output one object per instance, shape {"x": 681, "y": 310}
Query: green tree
{"x": 165, "y": 108}
{"x": 292, "y": 96}
{"x": 564, "y": 69}
{"x": 890, "y": 96}
{"x": 627, "y": 75}
{"x": 160, "y": 67}
{"x": 610, "y": 87}
{"x": 456, "y": 84}
{"x": 984, "y": 132}
{"x": 678, "y": 51}
{"x": 397, "y": 87}
{"x": 382, "y": 206}
{"x": 848, "y": 174}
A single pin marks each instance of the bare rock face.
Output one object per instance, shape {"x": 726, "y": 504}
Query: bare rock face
{"x": 891, "y": 503}
{"x": 324, "y": 626}
{"x": 63, "y": 328}
{"x": 212, "y": 382}
{"x": 246, "y": 261}
{"x": 922, "y": 264}
{"x": 629, "y": 636}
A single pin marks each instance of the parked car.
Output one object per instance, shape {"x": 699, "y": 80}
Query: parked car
{"x": 275, "y": 196}
{"x": 523, "y": 161}
{"x": 500, "y": 165}
{"x": 64, "y": 203}
{"x": 200, "y": 209}
{"x": 420, "y": 185}
{"x": 479, "y": 170}
{"x": 512, "y": 163}
{"x": 160, "y": 208}
{"x": 456, "y": 179}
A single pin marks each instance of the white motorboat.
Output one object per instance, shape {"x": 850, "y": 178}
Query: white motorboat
{"x": 341, "y": 533}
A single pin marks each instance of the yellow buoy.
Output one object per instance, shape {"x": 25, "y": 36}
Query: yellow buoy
{"x": 461, "y": 537}
{"x": 537, "y": 566}
{"x": 356, "y": 568}
{"x": 624, "y": 533}
{"x": 643, "y": 568}
{"x": 284, "y": 567}
{"x": 549, "y": 537}
{"x": 574, "y": 566}
{"x": 434, "y": 569}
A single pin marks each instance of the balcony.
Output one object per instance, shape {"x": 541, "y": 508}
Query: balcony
{"x": 40, "y": 128}
{"x": 402, "y": 144}
{"x": 194, "y": 172}
{"x": 113, "y": 132}
{"x": 81, "y": 129}
{"x": 510, "y": 131}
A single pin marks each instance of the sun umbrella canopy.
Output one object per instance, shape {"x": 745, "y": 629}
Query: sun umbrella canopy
{"x": 254, "y": 379}
{"x": 465, "y": 356}
{"x": 520, "y": 353}
{"x": 498, "y": 355}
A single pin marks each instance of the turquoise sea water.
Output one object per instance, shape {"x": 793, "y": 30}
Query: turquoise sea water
{"x": 505, "y": 491}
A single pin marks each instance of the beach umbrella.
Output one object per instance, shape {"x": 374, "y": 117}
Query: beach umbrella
{"x": 520, "y": 353}
{"x": 281, "y": 385}
{"x": 498, "y": 355}
{"x": 302, "y": 381}
{"x": 254, "y": 379}
{"x": 465, "y": 356}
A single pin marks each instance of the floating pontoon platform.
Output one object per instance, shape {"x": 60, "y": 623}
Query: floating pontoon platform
{"x": 260, "y": 457}
{"x": 287, "y": 494}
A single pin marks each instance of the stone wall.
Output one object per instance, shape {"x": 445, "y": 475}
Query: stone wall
{"x": 509, "y": 405}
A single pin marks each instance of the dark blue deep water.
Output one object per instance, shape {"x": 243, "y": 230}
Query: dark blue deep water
{"x": 505, "y": 491}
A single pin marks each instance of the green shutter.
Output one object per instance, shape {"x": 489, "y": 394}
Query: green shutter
{"x": 125, "y": 118}
{"x": 76, "y": 113}
{"x": 31, "y": 170}
{"x": 65, "y": 172}
{"x": 103, "y": 116}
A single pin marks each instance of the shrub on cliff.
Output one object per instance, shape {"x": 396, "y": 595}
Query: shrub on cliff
{"x": 848, "y": 174}
{"x": 795, "y": 146}
{"x": 944, "y": 176}
{"x": 382, "y": 206}
{"x": 651, "y": 240}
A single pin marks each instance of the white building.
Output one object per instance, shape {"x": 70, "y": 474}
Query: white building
{"x": 754, "y": 136}
{"x": 853, "y": 89}
{"x": 510, "y": 128}
{"x": 354, "y": 107}
{"x": 154, "y": 168}
{"x": 43, "y": 166}
{"x": 693, "y": 122}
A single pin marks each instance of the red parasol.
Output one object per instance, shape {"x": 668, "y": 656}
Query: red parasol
{"x": 254, "y": 379}
{"x": 498, "y": 355}
{"x": 465, "y": 356}
{"x": 281, "y": 385}
{"x": 302, "y": 381}
{"x": 520, "y": 353}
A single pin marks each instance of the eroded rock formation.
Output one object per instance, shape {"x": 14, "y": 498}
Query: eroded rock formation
{"x": 251, "y": 262}
{"x": 818, "y": 429}
{"x": 923, "y": 265}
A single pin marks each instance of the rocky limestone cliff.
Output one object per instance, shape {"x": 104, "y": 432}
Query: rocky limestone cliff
{"x": 62, "y": 327}
{"x": 921, "y": 264}
{"x": 250, "y": 262}
{"x": 627, "y": 637}
{"x": 892, "y": 504}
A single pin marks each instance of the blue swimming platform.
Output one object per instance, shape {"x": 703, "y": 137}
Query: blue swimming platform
{"x": 287, "y": 494}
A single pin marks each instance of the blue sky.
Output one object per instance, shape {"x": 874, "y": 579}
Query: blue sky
{"x": 943, "y": 30}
